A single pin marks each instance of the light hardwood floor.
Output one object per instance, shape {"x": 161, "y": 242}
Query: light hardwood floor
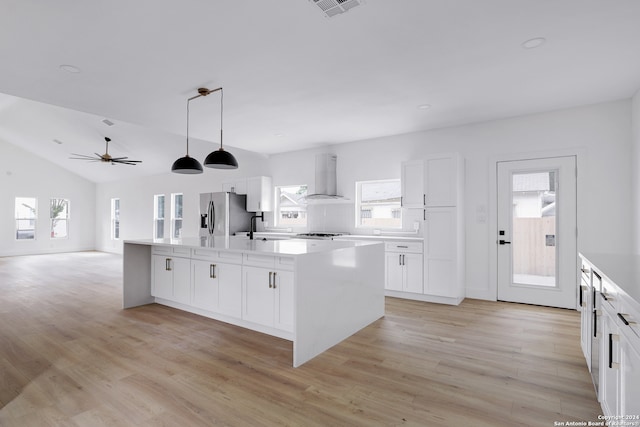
{"x": 70, "y": 356}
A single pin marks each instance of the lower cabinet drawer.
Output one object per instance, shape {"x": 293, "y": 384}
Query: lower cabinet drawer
{"x": 413, "y": 247}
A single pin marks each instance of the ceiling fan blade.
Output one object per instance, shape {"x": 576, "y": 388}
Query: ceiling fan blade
{"x": 126, "y": 162}
{"x": 81, "y": 156}
{"x": 119, "y": 158}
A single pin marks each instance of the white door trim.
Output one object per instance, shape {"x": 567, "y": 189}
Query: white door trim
{"x": 492, "y": 213}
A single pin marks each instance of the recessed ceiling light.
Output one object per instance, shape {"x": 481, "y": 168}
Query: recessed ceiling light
{"x": 70, "y": 68}
{"x": 534, "y": 43}
{"x": 57, "y": 141}
{"x": 424, "y": 106}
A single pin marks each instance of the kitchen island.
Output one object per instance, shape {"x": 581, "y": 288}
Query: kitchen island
{"x": 314, "y": 293}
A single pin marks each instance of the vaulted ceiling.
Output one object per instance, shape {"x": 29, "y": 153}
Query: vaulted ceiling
{"x": 292, "y": 77}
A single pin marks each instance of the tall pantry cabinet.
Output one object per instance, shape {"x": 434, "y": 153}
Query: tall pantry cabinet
{"x": 442, "y": 192}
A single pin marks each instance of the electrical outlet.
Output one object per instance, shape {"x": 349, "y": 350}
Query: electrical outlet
{"x": 416, "y": 225}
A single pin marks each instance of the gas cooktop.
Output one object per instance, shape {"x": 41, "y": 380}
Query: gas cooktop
{"x": 318, "y": 235}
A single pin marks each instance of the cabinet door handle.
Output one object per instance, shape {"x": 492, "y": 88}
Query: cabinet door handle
{"x": 212, "y": 271}
{"x": 624, "y": 320}
{"x": 581, "y": 298}
{"x": 595, "y": 323}
{"x": 424, "y": 214}
{"x": 424, "y": 199}
{"x": 167, "y": 264}
{"x": 402, "y": 246}
{"x": 606, "y": 297}
{"x": 270, "y": 279}
{"x": 399, "y": 259}
{"x": 274, "y": 279}
{"x": 403, "y": 259}
{"x": 401, "y": 204}
{"x": 612, "y": 338}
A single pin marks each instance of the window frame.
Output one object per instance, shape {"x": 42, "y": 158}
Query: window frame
{"x": 115, "y": 218}
{"x": 174, "y": 217}
{"x": 66, "y": 219}
{"x": 277, "y": 213}
{"x": 156, "y": 217}
{"x": 18, "y": 218}
{"x": 395, "y": 207}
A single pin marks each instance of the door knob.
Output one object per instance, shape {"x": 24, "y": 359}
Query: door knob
{"x": 503, "y": 242}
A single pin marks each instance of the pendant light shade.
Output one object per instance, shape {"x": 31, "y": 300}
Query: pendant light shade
{"x": 186, "y": 165}
{"x": 221, "y": 159}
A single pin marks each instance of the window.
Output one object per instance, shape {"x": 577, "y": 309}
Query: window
{"x": 176, "y": 215}
{"x": 158, "y": 216}
{"x": 378, "y": 204}
{"x": 59, "y": 218}
{"x": 115, "y": 219}
{"x": 26, "y": 216}
{"x": 291, "y": 206}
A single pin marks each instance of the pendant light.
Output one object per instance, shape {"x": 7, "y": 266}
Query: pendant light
{"x": 220, "y": 159}
{"x": 187, "y": 164}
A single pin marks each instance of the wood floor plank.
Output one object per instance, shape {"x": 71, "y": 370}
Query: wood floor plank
{"x": 70, "y": 356}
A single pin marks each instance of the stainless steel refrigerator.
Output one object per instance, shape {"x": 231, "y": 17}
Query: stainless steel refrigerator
{"x": 223, "y": 214}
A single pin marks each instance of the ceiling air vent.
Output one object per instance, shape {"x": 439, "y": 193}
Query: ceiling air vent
{"x": 332, "y": 8}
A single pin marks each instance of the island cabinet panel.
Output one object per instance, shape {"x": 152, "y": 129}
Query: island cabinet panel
{"x": 284, "y": 300}
{"x": 217, "y": 287}
{"x": 171, "y": 278}
{"x": 267, "y": 297}
{"x": 258, "y": 295}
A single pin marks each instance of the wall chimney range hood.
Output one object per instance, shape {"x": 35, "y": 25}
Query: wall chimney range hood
{"x": 326, "y": 178}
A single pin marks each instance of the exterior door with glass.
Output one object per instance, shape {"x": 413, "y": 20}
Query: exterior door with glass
{"x": 537, "y": 234}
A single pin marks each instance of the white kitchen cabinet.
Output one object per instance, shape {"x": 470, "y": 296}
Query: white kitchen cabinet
{"x": 283, "y": 310}
{"x": 267, "y": 292}
{"x": 259, "y": 194}
{"x": 609, "y": 359}
{"x": 412, "y": 184}
{"x": 586, "y": 313}
{"x": 403, "y": 267}
{"x": 238, "y": 186}
{"x": 257, "y": 295}
{"x": 442, "y": 179}
{"x": 443, "y": 257}
{"x": 618, "y": 329}
{"x": 629, "y": 400}
{"x": 171, "y": 278}
{"x": 217, "y": 287}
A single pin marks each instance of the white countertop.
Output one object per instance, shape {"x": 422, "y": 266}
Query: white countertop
{"x": 621, "y": 269}
{"x": 270, "y": 247}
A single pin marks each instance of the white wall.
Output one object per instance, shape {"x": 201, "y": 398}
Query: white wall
{"x": 635, "y": 173}
{"x": 136, "y": 199}
{"x": 600, "y": 135}
{"x": 23, "y": 174}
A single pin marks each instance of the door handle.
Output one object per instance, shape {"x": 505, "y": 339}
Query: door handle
{"x": 270, "y": 279}
{"x": 274, "y": 279}
{"x": 503, "y": 242}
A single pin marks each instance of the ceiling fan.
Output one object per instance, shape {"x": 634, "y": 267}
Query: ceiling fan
{"x": 106, "y": 157}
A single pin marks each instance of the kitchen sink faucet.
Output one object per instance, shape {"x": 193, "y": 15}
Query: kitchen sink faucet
{"x": 252, "y": 227}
